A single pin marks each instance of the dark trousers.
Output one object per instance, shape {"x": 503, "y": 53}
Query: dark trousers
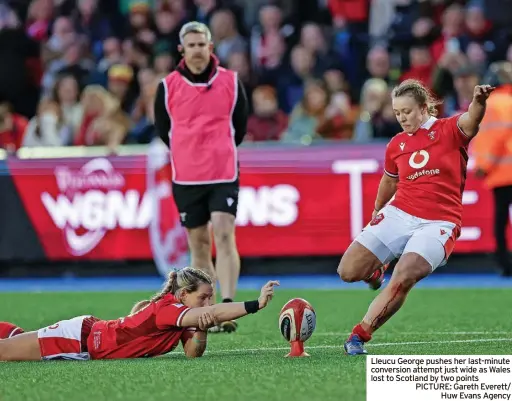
{"x": 502, "y": 201}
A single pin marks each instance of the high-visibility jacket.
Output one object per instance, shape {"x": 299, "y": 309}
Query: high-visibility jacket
{"x": 492, "y": 147}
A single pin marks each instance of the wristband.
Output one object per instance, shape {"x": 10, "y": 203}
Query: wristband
{"x": 252, "y": 306}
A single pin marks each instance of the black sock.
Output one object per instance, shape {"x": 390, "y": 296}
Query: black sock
{"x": 226, "y": 300}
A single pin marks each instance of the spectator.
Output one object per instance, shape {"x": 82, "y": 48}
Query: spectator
{"x": 205, "y": 10}
{"x": 452, "y": 26}
{"x": 312, "y": 119}
{"x": 58, "y": 117}
{"x": 314, "y": 40}
{"x": 104, "y": 123}
{"x": 120, "y": 78}
{"x": 111, "y": 54}
{"x": 239, "y": 62}
{"x": 40, "y": 14}
{"x": 268, "y": 122}
{"x": 465, "y": 80}
{"x": 290, "y": 81}
{"x": 350, "y": 14}
{"x": 89, "y": 21}
{"x": 12, "y": 128}
{"x": 163, "y": 61}
{"x": 271, "y": 32}
{"x": 73, "y": 62}
{"x": 373, "y": 101}
{"x": 422, "y": 66}
{"x": 225, "y": 35}
{"x": 19, "y": 66}
{"x": 142, "y": 114}
{"x": 167, "y": 30}
{"x": 139, "y": 19}
{"x": 378, "y": 63}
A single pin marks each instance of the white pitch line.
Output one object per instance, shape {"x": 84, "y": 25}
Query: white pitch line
{"x": 405, "y": 333}
{"x": 263, "y": 349}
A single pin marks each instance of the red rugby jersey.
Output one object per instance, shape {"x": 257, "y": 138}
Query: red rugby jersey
{"x": 431, "y": 168}
{"x": 153, "y": 331}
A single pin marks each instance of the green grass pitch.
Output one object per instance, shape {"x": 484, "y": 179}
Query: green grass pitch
{"x": 250, "y": 364}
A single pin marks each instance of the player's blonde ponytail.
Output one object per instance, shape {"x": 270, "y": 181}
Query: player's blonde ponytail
{"x": 420, "y": 93}
{"x": 187, "y": 279}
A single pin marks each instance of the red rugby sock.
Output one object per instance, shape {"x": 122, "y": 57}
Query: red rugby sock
{"x": 8, "y": 330}
{"x": 362, "y": 333}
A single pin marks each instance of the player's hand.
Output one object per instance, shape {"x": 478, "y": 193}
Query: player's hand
{"x": 207, "y": 320}
{"x": 267, "y": 292}
{"x": 482, "y": 93}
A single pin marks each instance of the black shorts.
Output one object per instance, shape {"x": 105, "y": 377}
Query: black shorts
{"x": 196, "y": 202}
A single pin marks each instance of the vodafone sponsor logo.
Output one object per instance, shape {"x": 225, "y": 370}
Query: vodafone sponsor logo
{"x": 421, "y": 173}
{"x": 419, "y": 160}
{"x": 92, "y": 202}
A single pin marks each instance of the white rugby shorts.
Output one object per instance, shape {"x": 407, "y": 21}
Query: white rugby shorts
{"x": 63, "y": 340}
{"x": 393, "y": 233}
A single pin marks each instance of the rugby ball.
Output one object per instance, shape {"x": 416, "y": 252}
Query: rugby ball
{"x": 297, "y": 320}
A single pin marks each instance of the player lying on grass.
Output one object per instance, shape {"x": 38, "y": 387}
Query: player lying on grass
{"x": 181, "y": 311}
{"x": 425, "y": 170}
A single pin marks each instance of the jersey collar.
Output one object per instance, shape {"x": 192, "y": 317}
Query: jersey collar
{"x": 426, "y": 125}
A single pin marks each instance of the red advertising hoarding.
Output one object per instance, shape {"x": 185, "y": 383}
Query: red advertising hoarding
{"x": 292, "y": 202}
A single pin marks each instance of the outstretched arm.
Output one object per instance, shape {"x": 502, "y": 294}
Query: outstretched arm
{"x": 470, "y": 121}
{"x": 229, "y": 311}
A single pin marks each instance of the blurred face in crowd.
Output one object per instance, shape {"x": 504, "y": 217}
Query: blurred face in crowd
{"x": 475, "y": 19}
{"x": 139, "y": 19}
{"x": 265, "y": 102}
{"x": 145, "y": 76}
{"x": 163, "y": 63}
{"x": 270, "y": 18}
{"x": 63, "y": 29}
{"x": 409, "y": 113}
{"x": 453, "y": 20}
{"x": 465, "y": 85}
{"x": 118, "y": 87}
{"x": 316, "y": 98}
{"x": 420, "y": 56}
{"x": 196, "y": 51}
{"x": 112, "y": 48}
{"x": 238, "y": 62}
{"x": 67, "y": 91}
{"x": 378, "y": 62}
{"x": 302, "y": 61}
{"x": 166, "y": 21}
{"x": 335, "y": 80}
{"x": 476, "y": 53}
{"x": 274, "y": 49}
{"x": 374, "y": 95}
{"x": 73, "y": 54}
{"x": 222, "y": 25}
{"x": 41, "y": 10}
{"x": 87, "y": 7}
{"x": 312, "y": 38}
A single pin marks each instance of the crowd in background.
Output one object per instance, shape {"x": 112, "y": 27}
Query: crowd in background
{"x": 84, "y": 72}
